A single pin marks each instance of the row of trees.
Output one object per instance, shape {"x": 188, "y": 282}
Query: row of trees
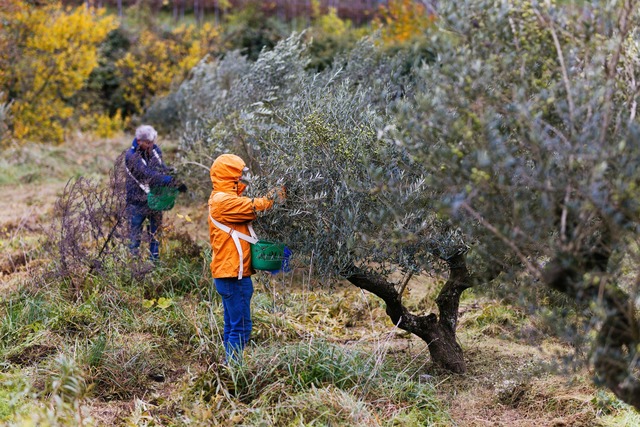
{"x": 503, "y": 149}
{"x": 64, "y": 69}
{"x": 360, "y": 11}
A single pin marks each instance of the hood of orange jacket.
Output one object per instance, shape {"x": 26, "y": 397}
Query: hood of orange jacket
{"x": 225, "y": 174}
{"x": 228, "y": 206}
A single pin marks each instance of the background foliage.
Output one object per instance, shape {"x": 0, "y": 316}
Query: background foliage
{"x": 48, "y": 54}
{"x": 97, "y": 73}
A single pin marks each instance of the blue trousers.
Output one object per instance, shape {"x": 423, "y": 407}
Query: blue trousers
{"x": 236, "y": 302}
{"x": 137, "y": 216}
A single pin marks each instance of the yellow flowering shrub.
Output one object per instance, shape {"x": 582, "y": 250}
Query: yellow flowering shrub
{"x": 106, "y": 126}
{"x": 402, "y": 20}
{"x": 98, "y": 123}
{"x": 155, "y": 62}
{"x": 331, "y": 23}
{"x": 52, "y": 52}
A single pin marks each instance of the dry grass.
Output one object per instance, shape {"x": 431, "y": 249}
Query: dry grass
{"x": 514, "y": 384}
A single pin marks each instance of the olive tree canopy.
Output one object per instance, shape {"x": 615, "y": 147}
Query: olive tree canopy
{"x": 527, "y": 124}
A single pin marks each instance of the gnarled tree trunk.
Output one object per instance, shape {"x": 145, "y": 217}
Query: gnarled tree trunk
{"x": 439, "y": 332}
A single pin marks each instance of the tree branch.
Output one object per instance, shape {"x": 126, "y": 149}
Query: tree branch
{"x": 448, "y": 300}
{"x": 563, "y": 67}
{"x": 476, "y": 215}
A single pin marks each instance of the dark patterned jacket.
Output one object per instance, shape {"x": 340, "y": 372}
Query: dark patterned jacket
{"x": 144, "y": 170}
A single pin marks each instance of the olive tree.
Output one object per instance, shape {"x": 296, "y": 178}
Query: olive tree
{"x": 527, "y": 125}
{"x": 318, "y": 134}
{"x": 337, "y": 174}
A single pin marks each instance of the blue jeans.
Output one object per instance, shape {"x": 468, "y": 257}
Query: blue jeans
{"x": 137, "y": 216}
{"x": 236, "y": 302}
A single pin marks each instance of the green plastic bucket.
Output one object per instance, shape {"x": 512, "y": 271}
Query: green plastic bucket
{"x": 162, "y": 198}
{"x": 267, "y": 255}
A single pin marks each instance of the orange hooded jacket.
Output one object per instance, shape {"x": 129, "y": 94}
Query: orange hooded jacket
{"x": 229, "y": 207}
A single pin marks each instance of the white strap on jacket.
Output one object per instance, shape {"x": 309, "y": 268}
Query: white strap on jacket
{"x": 145, "y": 187}
{"x": 236, "y": 236}
{"x": 157, "y": 156}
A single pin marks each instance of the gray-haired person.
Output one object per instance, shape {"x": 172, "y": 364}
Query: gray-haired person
{"x": 145, "y": 169}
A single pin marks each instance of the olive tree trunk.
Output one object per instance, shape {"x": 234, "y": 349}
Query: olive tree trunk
{"x": 439, "y": 332}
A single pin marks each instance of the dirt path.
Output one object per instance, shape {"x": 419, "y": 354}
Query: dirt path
{"x": 39, "y": 174}
{"x": 24, "y": 211}
{"x": 26, "y": 205}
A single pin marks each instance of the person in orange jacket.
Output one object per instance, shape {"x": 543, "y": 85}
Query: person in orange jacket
{"x": 231, "y": 234}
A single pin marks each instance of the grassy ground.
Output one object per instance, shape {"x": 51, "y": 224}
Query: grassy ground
{"x": 146, "y": 350}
